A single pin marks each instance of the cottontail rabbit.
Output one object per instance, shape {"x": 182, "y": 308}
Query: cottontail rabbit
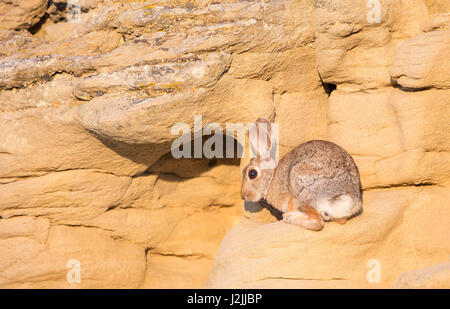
{"x": 315, "y": 182}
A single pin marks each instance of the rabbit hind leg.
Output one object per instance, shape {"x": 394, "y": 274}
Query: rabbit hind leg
{"x": 304, "y": 216}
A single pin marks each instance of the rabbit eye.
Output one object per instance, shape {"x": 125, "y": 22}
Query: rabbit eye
{"x": 252, "y": 174}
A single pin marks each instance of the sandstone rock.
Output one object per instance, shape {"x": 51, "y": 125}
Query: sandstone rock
{"x": 172, "y": 272}
{"x": 302, "y": 116}
{"x": 13, "y": 42}
{"x": 19, "y": 73}
{"x": 24, "y": 226}
{"x": 21, "y": 14}
{"x": 64, "y": 196}
{"x": 139, "y": 192}
{"x": 411, "y": 144}
{"x": 419, "y": 61}
{"x": 169, "y": 188}
{"x": 87, "y": 107}
{"x": 355, "y": 47}
{"x": 221, "y": 169}
{"x": 293, "y": 70}
{"x": 438, "y": 22}
{"x": 63, "y": 31}
{"x": 38, "y": 141}
{"x": 54, "y": 93}
{"x": 435, "y": 277}
{"x": 437, "y": 6}
{"x": 253, "y": 253}
{"x": 195, "y": 236}
{"x": 144, "y": 227}
{"x": 103, "y": 261}
{"x": 131, "y": 120}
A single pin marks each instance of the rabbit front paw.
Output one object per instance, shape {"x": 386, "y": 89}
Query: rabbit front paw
{"x": 294, "y": 217}
{"x": 309, "y": 221}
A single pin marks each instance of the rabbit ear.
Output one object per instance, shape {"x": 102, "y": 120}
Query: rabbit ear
{"x": 260, "y": 136}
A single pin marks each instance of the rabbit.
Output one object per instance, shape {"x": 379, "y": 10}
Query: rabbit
{"x": 315, "y": 182}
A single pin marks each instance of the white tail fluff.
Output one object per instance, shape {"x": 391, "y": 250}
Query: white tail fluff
{"x": 341, "y": 207}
